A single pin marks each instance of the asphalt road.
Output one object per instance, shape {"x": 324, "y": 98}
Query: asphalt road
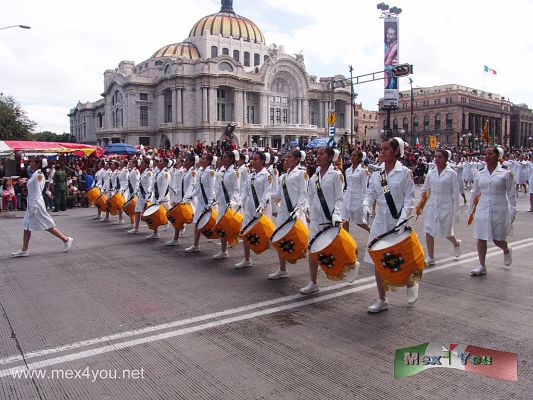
{"x": 120, "y": 317}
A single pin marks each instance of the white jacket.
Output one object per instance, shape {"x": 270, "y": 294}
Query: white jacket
{"x": 230, "y": 177}
{"x": 296, "y": 181}
{"x": 262, "y": 182}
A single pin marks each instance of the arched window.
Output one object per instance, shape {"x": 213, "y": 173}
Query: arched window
{"x": 246, "y": 59}
{"x": 236, "y": 55}
{"x": 167, "y": 70}
{"x": 225, "y": 51}
{"x": 257, "y": 59}
{"x": 415, "y": 125}
{"x": 449, "y": 122}
{"x": 214, "y": 51}
{"x": 405, "y": 125}
{"x": 395, "y": 125}
{"x": 426, "y": 123}
{"x": 224, "y": 66}
{"x": 437, "y": 122}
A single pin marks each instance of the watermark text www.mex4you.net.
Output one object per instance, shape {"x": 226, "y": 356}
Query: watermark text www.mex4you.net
{"x": 86, "y": 373}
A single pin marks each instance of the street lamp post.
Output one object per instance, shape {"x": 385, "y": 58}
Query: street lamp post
{"x": 16, "y": 26}
{"x": 352, "y": 104}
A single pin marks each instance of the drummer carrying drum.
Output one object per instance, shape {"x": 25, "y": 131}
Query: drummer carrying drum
{"x": 325, "y": 204}
{"x": 394, "y": 189}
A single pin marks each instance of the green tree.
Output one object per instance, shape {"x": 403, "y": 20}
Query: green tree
{"x": 14, "y": 122}
{"x": 47, "y": 136}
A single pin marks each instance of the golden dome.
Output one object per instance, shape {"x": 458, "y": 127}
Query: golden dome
{"x": 228, "y": 24}
{"x": 185, "y": 50}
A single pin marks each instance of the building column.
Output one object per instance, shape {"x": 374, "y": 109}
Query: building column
{"x": 306, "y": 116}
{"x": 262, "y": 110}
{"x": 161, "y": 111}
{"x": 239, "y": 113}
{"x": 213, "y": 105}
{"x": 320, "y": 116}
{"x": 179, "y": 106}
{"x": 204, "y": 105}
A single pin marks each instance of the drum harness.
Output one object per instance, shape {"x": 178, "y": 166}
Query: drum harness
{"x": 322, "y": 199}
{"x": 288, "y": 201}
{"x": 388, "y": 195}
{"x": 156, "y": 188}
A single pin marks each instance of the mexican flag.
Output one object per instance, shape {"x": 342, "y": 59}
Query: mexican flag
{"x": 489, "y": 70}
{"x": 478, "y": 360}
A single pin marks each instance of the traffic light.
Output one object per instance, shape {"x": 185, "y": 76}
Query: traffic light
{"x": 402, "y": 70}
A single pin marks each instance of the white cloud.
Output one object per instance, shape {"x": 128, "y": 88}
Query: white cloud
{"x": 62, "y": 59}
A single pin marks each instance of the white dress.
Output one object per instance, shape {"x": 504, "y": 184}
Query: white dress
{"x": 442, "y": 207}
{"x": 402, "y": 189}
{"x": 134, "y": 178}
{"x": 356, "y": 181}
{"x": 459, "y": 169}
{"x": 496, "y": 206}
{"x": 207, "y": 181}
{"x": 144, "y": 191}
{"x": 230, "y": 177}
{"x": 36, "y": 218}
{"x": 262, "y": 182}
{"x": 332, "y": 185}
{"x": 296, "y": 182}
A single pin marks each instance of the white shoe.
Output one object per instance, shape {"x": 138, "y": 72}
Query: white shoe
{"x": 378, "y": 305}
{"x": 192, "y": 249}
{"x": 430, "y": 261}
{"x": 172, "y": 242}
{"x": 351, "y": 276}
{"x": 310, "y": 288}
{"x": 279, "y": 274}
{"x": 412, "y": 294}
{"x": 243, "y": 264}
{"x": 508, "y": 257}
{"x": 119, "y": 222}
{"x": 457, "y": 249}
{"x": 220, "y": 255}
{"x": 132, "y": 231}
{"x": 68, "y": 244}
{"x": 152, "y": 236}
{"x": 481, "y": 270}
{"x": 20, "y": 253}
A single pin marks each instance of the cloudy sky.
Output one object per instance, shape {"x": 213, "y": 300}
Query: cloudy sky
{"x": 61, "y": 60}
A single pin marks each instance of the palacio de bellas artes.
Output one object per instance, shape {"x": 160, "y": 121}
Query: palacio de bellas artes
{"x": 223, "y": 72}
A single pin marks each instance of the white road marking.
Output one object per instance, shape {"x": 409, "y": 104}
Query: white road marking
{"x": 149, "y": 339}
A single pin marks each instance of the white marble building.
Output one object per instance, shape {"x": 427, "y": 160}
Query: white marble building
{"x": 223, "y": 72}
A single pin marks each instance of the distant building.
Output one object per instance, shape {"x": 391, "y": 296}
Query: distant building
{"x": 363, "y": 121}
{"x": 521, "y": 126}
{"x": 450, "y": 112}
{"x": 223, "y": 72}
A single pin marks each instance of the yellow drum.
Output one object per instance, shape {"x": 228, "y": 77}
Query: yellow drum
{"x": 180, "y": 215}
{"x": 399, "y": 259}
{"x": 115, "y": 203}
{"x": 92, "y": 194}
{"x": 101, "y": 202}
{"x": 335, "y": 251}
{"x": 290, "y": 240}
{"x": 155, "y": 216}
{"x": 258, "y": 232}
{"x": 206, "y": 223}
{"x": 229, "y": 226}
{"x": 129, "y": 207}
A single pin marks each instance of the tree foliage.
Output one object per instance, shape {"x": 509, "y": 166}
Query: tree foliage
{"x": 47, "y": 136}
{"x": 14, "y": 122}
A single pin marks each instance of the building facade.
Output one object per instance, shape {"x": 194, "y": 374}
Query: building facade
{"x": 223, "y": 72}
{"x": 455, "y": 114}
{"x": 365, "y": 120}
{"x": 521, "y": 126}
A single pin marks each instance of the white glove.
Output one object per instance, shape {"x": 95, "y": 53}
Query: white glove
{"x": 402, "y": 227}
{"x": 34, "y": 210}
{"x": 336, "y": 219}
{"x": 233, "y": 204}
{"x": 259, "y": 210}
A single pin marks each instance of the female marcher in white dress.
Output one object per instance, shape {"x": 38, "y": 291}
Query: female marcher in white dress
{"x": 442, "y": 209}
{"x": 144, "y": 191}
{"x": 295, "y": 180}
{"x": 261, "y": 181}
{"x": 356, "y": 182}
{"x": 227, "y": 185}
{"x": 459, "y": 166}
{"x": 402, "y": 189}
{"x": 496, "y": 209}
{"x": 36, "y": 218}
{"x": 332, "y": 184}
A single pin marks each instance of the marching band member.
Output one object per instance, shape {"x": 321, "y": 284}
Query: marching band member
{"x": 144, "y": 191}
{"x": 273, "y": 171}
{"x": 109, "y": 188}
{"x": 122, "y": 185}
{"x": 161, "y": 189}
{"x": 325, "y": 191}
{"x": 459, "y": 166}
{"x": 184, "y": 183}
{"x": 256, "y": 199}
{"x": 243, "y": 174}
{"x": 521, "y": 176}
{"x": 496, "y": 208}
{"x": 356, "y": 182}
{"x": 442, "y": 191}
{"x": 394, "y": 189}
{"x": 36, "y": 218}
{"x": 227, "y": 193}
{"x": 530, "y": 180}
{"x": 204, "y": 195}
{"x": 99, "y": 182}
{"x": 134, "y": 177}
{"x": 292, "y": 193}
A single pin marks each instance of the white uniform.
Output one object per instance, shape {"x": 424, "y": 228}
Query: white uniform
{"x": 161, "y": 187}
{"x": 468, "y": 175}
{"x": 144, "y": 192}
{"x": 243, "y": 178}
{"x": 207, "y": 181}
{"x": 176, "y": 177}
{"x": 122, "y": 176}
{"x": 275, "y": 184}
{"x": 296, "y": 181}
{"x": 134, "y": 178}
{"x": 531, "y": 177}
{"x": 108, "y": 181}
{"x": 521, "y": 176}
{"x": 356, "y": 182}
{"x": 442, "y": 208}
{"x": 497, "y": 204}
{"x": 230, "y": 177}
{"x": 332, "y": 185}
{"x": 262, "y": 182}
{"x": 99, "y": 178}
{"x": 187, "y": 186}
{"x": 36, "y": 218}
{"x": 459, "y": 169}
{"x": 402, "y": 189}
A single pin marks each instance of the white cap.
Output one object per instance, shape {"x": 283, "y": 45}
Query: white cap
{"x": 336, "y": 154}
{"x": 196, "y": 159}
{"x": 44, "y": 163}
{"x": 267, "y": 158}
{"x": 501, "y": 152}
{"x": 214, "y": 162}
{"x": 303, "y": 155}
{"x": 237, "y": 155}
{"x": 402, "y": 145}
{"x": 364, "y": 156}
{"x": 449, "y": 154}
